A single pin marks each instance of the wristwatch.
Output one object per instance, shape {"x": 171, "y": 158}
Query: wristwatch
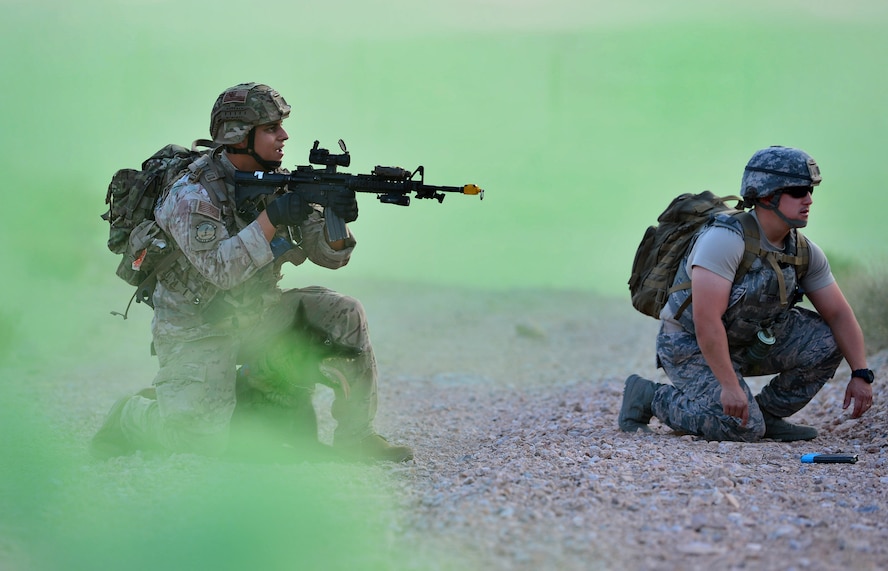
{"x": 865, "y": 374}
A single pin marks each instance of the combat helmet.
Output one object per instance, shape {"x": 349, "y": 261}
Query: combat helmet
{"x": 241, "y": 108}
{"x": 776, "y": 167}
{"x": 771, "y": 170}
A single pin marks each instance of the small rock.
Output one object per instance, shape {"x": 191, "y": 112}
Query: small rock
{"x": 700, "y": 548}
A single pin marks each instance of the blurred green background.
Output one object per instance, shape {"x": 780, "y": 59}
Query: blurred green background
{"x": 580, "y": 119}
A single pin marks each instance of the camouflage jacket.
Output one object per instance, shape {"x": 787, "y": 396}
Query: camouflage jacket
{"x": 228, "y": 276}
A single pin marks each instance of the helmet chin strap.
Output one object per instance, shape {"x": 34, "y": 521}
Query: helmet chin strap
{"x": 775, "y": 207}
{"x": 267, "y": 165}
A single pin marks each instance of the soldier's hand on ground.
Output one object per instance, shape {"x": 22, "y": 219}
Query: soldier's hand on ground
{"x": 345, "y": 205}
{"x": 861, "y": 392}
{"x": 288, "y": 210}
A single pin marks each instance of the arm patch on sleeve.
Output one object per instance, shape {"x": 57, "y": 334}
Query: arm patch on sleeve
{"x": 204, "y": 233}
{"x": 206, "y": 228}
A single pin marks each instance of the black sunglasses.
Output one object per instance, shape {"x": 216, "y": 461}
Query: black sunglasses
{"x": 799, "y": 191}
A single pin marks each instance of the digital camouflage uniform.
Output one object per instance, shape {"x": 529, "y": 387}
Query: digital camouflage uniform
{"x": 804, "y": 356}
{"x": 220, "y": 307}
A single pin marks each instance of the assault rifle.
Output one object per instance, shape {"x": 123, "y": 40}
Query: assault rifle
{"x": 392, "y": 185}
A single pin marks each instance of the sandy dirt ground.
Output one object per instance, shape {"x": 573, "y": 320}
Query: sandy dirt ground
{"x": 510, "y": 400}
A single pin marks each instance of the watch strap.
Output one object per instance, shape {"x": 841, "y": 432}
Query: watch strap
{"x": 865, "y": 374}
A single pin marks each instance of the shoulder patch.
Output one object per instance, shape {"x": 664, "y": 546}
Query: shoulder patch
{"x": 205, "y": 232}
{"x": 207, "y": 209}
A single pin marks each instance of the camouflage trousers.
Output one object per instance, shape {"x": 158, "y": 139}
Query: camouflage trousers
{"x": 803, "y": 358}
{"x": 314, "y": 335}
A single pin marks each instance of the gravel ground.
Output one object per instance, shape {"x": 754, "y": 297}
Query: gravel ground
{"x": 519, "y": 458}
{"x": 510, "y": 400}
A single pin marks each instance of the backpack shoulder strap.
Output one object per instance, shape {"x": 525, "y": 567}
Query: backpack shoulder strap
{"x": 751, "y": 251}
{"x": 202, "y": 169}
{"x": 753, "y": 243}
{"x": 752, "y": 239}
{"x": 803, "y": 255}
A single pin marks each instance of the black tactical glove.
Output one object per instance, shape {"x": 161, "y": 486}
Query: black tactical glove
{"x": 289, "y": 209}
{"x": 345, "y": 205}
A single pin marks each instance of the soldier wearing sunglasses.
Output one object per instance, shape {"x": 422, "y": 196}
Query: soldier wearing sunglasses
{"x": 730, "y": 330}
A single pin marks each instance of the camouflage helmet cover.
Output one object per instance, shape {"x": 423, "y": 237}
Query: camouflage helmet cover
{"x": 242, "y": 107}
{"x": 778, "y": 167}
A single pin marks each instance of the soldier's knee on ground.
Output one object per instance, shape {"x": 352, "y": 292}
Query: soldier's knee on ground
{"x": 727, "y": 428}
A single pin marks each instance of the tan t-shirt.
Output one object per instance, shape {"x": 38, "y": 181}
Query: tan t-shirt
{"x": 720, "y": 250}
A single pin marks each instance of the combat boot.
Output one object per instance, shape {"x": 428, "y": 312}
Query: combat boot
{"x": 636, "y": 411}
{"x": 778, "y": 429}
{"x": 110, "y": 441}
{"x": 375, "y": 447}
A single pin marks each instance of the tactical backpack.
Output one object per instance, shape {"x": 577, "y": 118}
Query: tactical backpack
{"x": 131, "y": 198}
{"x": 664, "y": 246}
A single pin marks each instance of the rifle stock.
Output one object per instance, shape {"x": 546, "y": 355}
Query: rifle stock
{"x": 392, "y": 185}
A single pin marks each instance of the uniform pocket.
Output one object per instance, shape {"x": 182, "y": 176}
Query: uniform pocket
{"x": 182, "y": 391}
{"x": 676, "y": 347}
